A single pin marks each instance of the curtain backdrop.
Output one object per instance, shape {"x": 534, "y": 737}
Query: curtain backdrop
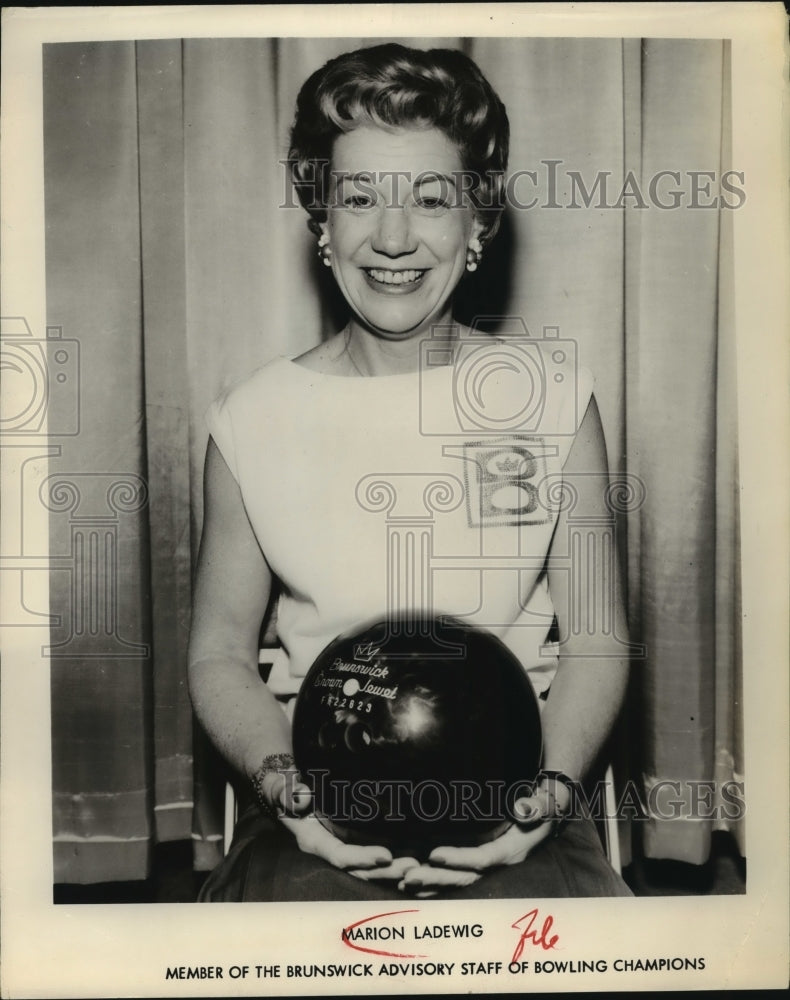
{"x": 175, "y": 261}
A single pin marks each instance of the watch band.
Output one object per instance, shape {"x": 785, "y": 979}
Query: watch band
{"x": 573, "y": 786}
{"x": 275, "y": 763}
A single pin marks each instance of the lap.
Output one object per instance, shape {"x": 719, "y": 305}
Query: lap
{"x": 265, "y": 865}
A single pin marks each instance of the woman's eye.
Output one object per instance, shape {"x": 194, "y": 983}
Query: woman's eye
{"x": 358, "y": 202}
{"x": 432, "y": 197}
{"x": 430, "y": 201}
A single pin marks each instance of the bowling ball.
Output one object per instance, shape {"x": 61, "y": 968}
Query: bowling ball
{"x": 417, "y": 733}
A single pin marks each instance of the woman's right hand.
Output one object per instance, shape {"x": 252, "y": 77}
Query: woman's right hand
{"x": 293, "y": 801}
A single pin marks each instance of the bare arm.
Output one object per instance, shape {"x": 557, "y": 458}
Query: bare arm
{"x": 235, "y": 707}
{"x": 589, "y": 686}
{"x": 232, "y": 589}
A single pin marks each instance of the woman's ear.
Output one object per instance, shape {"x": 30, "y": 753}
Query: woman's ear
{"x": 485, "y": 229}
{"x": 479, "y": 229}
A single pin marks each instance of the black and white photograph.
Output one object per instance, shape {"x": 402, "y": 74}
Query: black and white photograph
{"x": 395, "y": 499}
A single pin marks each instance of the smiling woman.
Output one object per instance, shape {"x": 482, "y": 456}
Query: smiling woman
{"x": 399, "y": 156}
{"x": 181, "y": 142}
{"x": 397, "y": 253}
{"x": 405, "y": 151}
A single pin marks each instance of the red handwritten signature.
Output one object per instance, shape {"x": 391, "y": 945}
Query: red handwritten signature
{"x": 529, "y": 933}
{"x": 349, "y": 935}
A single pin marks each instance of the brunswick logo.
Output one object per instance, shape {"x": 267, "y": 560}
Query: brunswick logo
{"x": 365, "y": 651}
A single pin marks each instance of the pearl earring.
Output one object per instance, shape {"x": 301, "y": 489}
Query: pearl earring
{"x": 324, "y": 250}
{"x": 474, "y": 254}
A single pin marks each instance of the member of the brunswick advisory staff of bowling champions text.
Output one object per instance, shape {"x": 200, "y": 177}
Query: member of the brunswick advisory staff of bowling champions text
{"x": 398, "y": 155}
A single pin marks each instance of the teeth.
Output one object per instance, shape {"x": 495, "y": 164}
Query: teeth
{"x": 394, "y": 277}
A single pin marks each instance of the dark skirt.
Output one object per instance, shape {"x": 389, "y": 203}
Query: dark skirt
{"x": 264, "y": 864}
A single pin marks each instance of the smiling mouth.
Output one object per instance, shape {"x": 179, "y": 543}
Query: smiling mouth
{"x": 384, "y": 276}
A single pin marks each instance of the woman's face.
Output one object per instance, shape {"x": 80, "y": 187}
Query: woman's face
{"x": 399, "y": 224}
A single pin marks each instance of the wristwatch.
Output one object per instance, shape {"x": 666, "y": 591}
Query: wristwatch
{"x": 574, "y": 788}
{"x": 274, "y": 763}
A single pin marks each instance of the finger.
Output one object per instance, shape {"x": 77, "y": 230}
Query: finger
{"x": 298, "y": 799}
{"x": 427, "y": 877}
{"x": 527, "y": 810}
{"x": 350, "y": 856}
{"x": 473, "y": 859}
{"x": 533, "y": 809}
{"x": 303, "y": 801}
{"x": 346, "y": 856}
{"x": 291, "y": 795}
{"x": 508, "y": 849}
{"x": 396, "y": 870}
{"x": 425, "y": 894}
{"x": 313, "y": 838}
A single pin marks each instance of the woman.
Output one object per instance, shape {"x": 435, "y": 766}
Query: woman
{"x": 398, "y": 155}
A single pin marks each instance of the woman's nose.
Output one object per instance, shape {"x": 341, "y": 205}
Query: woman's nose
{"x": 393, "y": 236}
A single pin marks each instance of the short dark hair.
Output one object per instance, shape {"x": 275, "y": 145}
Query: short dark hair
{"x": 392, "y": 86}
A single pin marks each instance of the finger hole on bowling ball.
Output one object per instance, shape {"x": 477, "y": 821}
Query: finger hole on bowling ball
{"x": 327, "y": 736}
{"x": 358, "y": 737}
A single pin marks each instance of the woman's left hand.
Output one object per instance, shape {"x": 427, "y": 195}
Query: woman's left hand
{"x": 454, "y": 867}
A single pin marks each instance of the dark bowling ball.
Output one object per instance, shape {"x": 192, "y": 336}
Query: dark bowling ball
{"x": 415, "y": 734}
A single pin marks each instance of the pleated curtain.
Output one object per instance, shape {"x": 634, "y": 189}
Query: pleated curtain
{"x": 178, "y": 260}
